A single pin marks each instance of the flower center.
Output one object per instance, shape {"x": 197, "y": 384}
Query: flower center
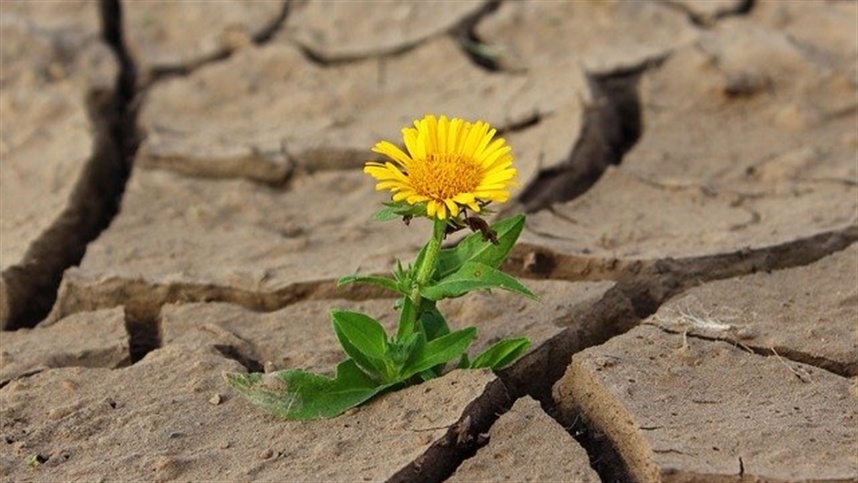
{"x": 444, "y": 175}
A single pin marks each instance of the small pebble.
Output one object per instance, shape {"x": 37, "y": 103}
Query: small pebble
{"x": 266, "y": 454}
{"x": 215, "y": 400}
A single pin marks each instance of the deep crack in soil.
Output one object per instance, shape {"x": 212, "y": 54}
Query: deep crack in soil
{"x": 32, "y": 287}
{"x": 462, "y": 439}
{"x": 612, "y": 125}
{"x": 465, "y": 33}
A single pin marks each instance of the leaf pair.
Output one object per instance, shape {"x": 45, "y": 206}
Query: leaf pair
{"x": 365, "y": 342}
{"x": 472, "y": 249}
{"x": 373, "y": 366}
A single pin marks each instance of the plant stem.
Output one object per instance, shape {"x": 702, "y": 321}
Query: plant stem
{"x": 411, "y": 307}
{"x": 424, "y": 271}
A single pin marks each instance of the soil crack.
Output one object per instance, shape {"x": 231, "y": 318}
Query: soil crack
{"x": 709, "y": 19}
{"x": 465, "y": 33}
{"x": 612, "y": 125}
{"x": 148, "y": 298}
{"x": 263, "y": 36}
{"x": 462, "y": 439}
{"x": 841, "y": 369}
{"x": 536, "y": 373}
{"x": 668, "y": 276}
{"x": 144, "y": 331}
{"x": 95, "y": 200}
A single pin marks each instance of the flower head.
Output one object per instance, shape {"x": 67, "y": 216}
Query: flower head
{"x": 449, "y": 164}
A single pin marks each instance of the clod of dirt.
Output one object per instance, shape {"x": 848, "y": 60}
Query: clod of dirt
{"x": 752, "y": 417}
{"x": 87, "y": 339}
{"x": 163, "y": 39}
{"x": 527, "y": 445}
{"x": 599, "y": 36}
{"x": 779, "y": 312}
{"x": 331, "y": 34}
{"x": 272, "y": 247}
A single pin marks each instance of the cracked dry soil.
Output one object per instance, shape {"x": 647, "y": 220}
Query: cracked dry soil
{"x": 181, "y": 185}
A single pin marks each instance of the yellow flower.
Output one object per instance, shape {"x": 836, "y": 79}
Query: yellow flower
{"x": 450, "y": 164}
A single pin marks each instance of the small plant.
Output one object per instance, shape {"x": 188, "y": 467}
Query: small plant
{"x": 33, "y": 460}
{"x": 451, "y": 172}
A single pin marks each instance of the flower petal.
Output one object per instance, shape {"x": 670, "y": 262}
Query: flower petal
{"x": 487, "y": 137}
{"x": 431, "y": 208}
{"x": 453, "y": 207}
{"x": 393, "y": 152}
{"x": 443, "y": 131}
{"x": 415, "y": 149}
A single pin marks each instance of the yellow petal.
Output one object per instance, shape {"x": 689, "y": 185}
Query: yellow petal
{"x": 378, "y": 173}
{"x": 431, "y": 207}
{"x": 499, "y": 176}
{"x": 443, "y": 130}
{"x": 464, "y": 198}
{"x": 456, "y": 138}
{"x": 390, "y": 150}
{"x": 409, "y": 136}
{"x": 415, "y": 198}
{"x": 429, "y": 132}
{"x": 453, "y": 207}
{"x": 401, "y": 195}
{"x": 475, "y": 135}
{"x": 487, "y": 137}
{"x": 493, "y": 151}
{"x": 441, "y": 211}
{"x": 384, "y": 185}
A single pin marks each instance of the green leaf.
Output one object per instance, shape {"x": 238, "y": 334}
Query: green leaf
{"x": 474, "y": 276}
{"x": 364, "y": 340}
{"x": 474, "y": 249}
{"x": 434, "y": 323}
{"x": 406, "y": 319}
{"x": 399, "y": 209}
{"x": 300, "y": 395}
{"x": 382, "y": 282}
{"x": 439, "y": 351}
{"x": 501, "y": 354}
{"x": 418, "y": 260}
{"x": 386, "y": 214}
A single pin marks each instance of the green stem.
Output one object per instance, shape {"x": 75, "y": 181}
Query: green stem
{"x": 411, "y": 306}
{"x": 424, "y": 271}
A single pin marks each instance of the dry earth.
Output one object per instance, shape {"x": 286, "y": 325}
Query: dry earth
{"x": 181, "y": 187}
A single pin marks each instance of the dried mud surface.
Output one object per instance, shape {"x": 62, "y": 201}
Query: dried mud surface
{"x": 181, "y": 187}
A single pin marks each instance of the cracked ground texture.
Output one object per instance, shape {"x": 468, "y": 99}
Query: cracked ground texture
{"x": 180, "y": 187}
